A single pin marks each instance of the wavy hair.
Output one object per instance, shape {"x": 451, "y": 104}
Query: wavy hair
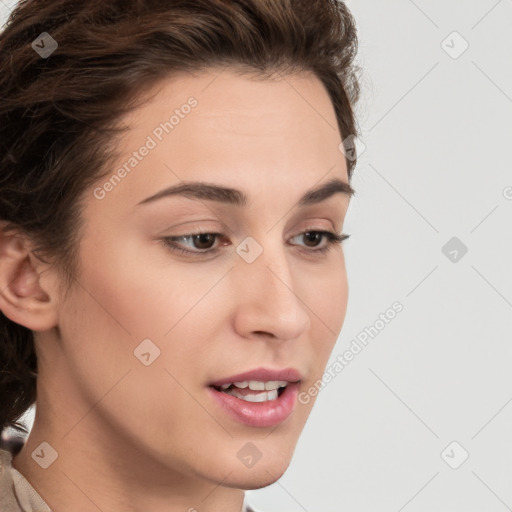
{"x": 59, "y": 113}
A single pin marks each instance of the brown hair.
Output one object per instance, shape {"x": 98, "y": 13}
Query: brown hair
{"x": 58, "y": 112}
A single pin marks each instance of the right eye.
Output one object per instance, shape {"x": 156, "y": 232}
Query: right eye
{"x": 202, "y": 243}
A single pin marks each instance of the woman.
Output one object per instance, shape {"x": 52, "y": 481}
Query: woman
{"x": 173, "y": 188}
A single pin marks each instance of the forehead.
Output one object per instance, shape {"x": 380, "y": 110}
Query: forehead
{"x": 224, "y": 126}
{"x": 238, "y": 91}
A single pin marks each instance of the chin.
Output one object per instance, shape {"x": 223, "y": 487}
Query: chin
{"x": 256, "y": 477}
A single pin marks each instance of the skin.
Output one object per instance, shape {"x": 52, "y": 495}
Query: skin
{"x": 132, "y": 437}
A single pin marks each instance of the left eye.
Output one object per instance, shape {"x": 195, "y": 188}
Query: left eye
{"x": 203, "y": 241}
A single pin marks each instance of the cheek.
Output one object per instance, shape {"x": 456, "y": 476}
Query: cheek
{"x": 127, "y": 294}
{"x": 327, "y": 290}
{"x": 126, "y": 303}
{"x": 114, "y": 305}
{"x": 333, "y": 295}
{"x": 137, "y": 288}
{"x": 327, "y": 304}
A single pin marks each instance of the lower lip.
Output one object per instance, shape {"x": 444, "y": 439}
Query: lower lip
{"x": 258, "y": 414}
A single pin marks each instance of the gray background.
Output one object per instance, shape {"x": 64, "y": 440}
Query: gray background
{"x": 391, "y": 431}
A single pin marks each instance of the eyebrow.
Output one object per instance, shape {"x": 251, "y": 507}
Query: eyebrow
{"x": 212, "y": 192}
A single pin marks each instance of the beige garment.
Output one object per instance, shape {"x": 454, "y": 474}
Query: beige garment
{"x": 17, "y": 495}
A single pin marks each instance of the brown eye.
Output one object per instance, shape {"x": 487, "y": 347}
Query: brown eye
{"x": 194, "y": 243}
{"x": 202, "y": 244}
{"x": 314, "y": 237}
{"x": 204, "y": 240}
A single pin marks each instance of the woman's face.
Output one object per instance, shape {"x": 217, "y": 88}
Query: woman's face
{"x": 147, "y": 329}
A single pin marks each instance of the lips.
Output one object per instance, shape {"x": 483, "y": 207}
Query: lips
{"x": 268, "y": 413}
{"x": 262, "y": 375}
{"x": 261, "y": 397}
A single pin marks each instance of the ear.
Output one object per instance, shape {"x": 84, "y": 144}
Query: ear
{"x": 23, "y": 297}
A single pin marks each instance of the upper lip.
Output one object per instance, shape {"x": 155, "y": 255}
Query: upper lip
{"x": 262, "y": 374}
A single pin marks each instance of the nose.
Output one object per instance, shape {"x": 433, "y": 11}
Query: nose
{"x": 268, "y": 299}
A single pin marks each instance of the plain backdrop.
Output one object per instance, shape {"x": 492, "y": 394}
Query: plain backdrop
{"x": 421, "y": 417}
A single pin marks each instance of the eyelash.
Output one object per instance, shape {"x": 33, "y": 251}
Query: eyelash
{"x": 333, "y": 239}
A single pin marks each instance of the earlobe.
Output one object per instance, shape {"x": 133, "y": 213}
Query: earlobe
{"x": 23, "y": 299}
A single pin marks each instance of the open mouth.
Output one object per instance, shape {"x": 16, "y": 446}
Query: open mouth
{"x": 254, "y": 391}
{"x": 262, "y": 397}
{"x": 257, "y": 407}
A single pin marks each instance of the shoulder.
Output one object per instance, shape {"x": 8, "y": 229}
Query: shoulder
{"x": 16, "y": 493}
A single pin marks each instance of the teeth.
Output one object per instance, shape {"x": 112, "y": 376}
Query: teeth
{"x": 275, "y": 384}
{"x": 257, "y": 385}
{"x": 258, "y": 397}
{"x": 272, "y": 395}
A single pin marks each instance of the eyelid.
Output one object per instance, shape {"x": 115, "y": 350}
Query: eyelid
{"x": 332, "y": 238}
{"x": 205, "y": 226}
